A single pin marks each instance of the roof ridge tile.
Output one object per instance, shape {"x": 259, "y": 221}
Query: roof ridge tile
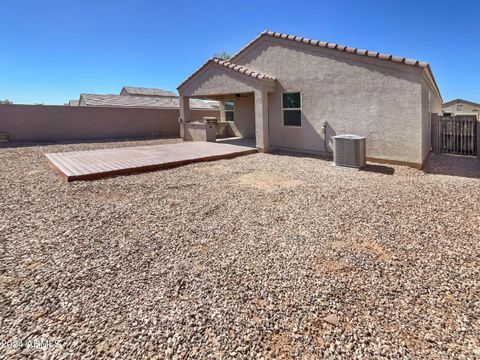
{"x": 333, "y": 46}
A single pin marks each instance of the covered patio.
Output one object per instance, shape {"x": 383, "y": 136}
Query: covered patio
{"x": 243, "y": 91}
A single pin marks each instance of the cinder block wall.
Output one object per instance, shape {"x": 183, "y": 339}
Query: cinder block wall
{"x": 40, "y": 123}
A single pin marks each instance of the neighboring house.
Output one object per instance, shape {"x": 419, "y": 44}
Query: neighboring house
{"x": 285, "y": 90}
{"x": 72, "y": 103}
{"x": 200, "y": 108}
{"x": 143, "y": 102}
{"x": 460, "y": 107}
{"x": 140, "y": 91}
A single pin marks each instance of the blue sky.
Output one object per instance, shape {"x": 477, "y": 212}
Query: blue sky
{"x": 53, "y": 50}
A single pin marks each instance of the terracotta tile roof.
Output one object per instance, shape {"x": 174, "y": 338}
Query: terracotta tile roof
{"x": 144, "y": 102}
{"x": 333, "y": 46}
{"x": 131, "y": 90}
{"x": 350, "y": 50}
{"x": 227, "y": 64}
{"x": 242, "y": 69}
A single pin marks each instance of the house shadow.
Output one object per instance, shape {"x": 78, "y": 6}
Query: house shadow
{"x": 373, "y": 168}
{"x": 301, "y": 154}
{"x": 453, "y": 165}
{"x": 379, "y": 169}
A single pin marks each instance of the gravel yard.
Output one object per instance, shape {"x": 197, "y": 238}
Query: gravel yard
{"x": 240, "y": 258}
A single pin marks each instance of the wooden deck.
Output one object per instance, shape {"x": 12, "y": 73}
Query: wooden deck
{"x": 97, "y": 164}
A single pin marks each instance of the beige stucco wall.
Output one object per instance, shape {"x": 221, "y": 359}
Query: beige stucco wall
{"x": 426, "y": 120}
{"x": 195, "y": 131}
{"x": 431, "y": 104}
{"x": 378, "y": 99}
{"x": 59, "y": 123}
{"x": 244, "y": 115}
{"x": 198, "y": 115}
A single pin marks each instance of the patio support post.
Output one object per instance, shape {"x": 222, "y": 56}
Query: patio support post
{"x": 221, "y": 109}
{"x": 261, "y": 120}
{"x": 185, "y": 114}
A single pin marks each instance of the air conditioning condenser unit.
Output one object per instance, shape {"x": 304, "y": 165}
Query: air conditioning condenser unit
{"x": 349, "y": 150}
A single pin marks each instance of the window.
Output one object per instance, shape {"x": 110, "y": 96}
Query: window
{"x": 292, "y": 109}
{"x": 229, "y": 110}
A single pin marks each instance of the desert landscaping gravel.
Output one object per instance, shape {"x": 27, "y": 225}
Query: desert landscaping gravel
{"x": 262, "y": 256}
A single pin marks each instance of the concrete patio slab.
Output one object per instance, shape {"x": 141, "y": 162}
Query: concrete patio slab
{"x": 97, "y": 164}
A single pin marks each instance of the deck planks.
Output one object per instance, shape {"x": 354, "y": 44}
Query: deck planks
{"x": 102, "y": 163}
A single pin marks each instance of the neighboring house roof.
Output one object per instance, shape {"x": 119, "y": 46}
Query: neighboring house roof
{"x": 131, "y": 90}
{"x": 144, "y": 102}
{"x": 227, "y": 64}
{"x": 73, "y": 102}
{"x": 456, "y": 101}
{"x": 343, "y": 48}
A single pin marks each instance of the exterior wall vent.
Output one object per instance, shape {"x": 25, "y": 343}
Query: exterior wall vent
{"x": 349, "y": 151}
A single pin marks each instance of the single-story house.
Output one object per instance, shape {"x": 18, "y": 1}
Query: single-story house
{"x": 290, "y": 92}
{"x": 143, "y": 102}
{"x": 460, "y": 107}
{"x": 150, "y": 92}
{"x": 200, "y": 108}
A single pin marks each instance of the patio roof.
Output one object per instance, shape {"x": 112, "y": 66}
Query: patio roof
{"x": 234, "y": 67}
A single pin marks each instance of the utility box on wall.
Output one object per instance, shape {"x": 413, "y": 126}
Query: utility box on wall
{"x": 349, "y": 151}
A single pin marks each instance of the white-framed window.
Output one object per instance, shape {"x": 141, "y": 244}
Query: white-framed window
{"x": 229, "y": 106}
{"x": 292, "y": 109}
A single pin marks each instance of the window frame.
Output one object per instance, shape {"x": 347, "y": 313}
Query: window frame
{"x": 232, "y": 111}
{"x": 288, "y": 109}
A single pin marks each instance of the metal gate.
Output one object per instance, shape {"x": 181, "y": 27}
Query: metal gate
{"x": 458, "y": 134}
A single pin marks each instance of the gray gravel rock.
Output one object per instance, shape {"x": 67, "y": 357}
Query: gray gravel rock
{"x": 240, "y": 258}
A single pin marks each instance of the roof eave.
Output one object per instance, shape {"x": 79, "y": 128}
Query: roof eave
{"x": 224, "y": 64}
{"x": 429, "y": 72}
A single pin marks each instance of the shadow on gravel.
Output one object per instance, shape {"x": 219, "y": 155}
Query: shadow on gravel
{"x": 374, "y": 168}
{"x": 302, "y": 155}
{"x": 453, "y": 165}
{"x": 379, "y": 169}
